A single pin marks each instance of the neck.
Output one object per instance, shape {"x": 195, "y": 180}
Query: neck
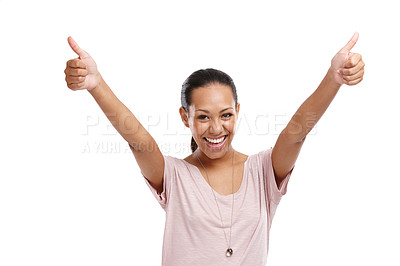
{"x": 208, "y": 162}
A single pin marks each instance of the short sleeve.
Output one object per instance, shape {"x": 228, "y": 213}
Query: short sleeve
{"x": 273, "y": 193}
{"x": 169, "y": 173}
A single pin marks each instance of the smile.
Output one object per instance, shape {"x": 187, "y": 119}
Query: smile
{"x": 216, "y": 140}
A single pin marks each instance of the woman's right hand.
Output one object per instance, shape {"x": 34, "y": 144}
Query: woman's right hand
{"x": 81, "y": 73}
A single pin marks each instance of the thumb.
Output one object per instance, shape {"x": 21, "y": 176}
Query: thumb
{"x": 346, "y": 49}
{"x": 75, "y": 47}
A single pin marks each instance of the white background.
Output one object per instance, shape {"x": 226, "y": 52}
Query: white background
{"x": 70, "y": 190}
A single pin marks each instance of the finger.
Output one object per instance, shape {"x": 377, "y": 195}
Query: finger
{"x": 353, "y": 82}
{"x": 76, "y": 72}
{"x": 350, "y": 44}
{"x": 76, "y": 63}
{"x": 74, "y": 80}
{"x": 79, "y": 51}
{"x": 352, "y": 70}
{"x": 76, "y": 86}
{"x": 357, "y": 75}
{"x": 352, "y": 61}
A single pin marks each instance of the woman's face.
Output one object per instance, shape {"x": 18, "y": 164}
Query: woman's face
{"x": 211, "y": 118}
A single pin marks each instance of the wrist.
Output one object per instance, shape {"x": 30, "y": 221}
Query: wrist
{"x": 99, "y": 84}
{"x": 334, "y": 78}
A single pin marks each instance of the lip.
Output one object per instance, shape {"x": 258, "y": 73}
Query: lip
{"x": 216, "y": 137}
{"x": 218, "y": 146}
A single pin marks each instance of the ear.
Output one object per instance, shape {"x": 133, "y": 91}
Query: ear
{"x": 237, "y": 109}
{"x": 184, "y": 116}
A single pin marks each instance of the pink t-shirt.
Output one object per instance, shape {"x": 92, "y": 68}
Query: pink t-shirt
{"x": 193, "y": 231}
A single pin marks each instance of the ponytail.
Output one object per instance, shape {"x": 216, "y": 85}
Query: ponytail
{"x": 193, "y": 145}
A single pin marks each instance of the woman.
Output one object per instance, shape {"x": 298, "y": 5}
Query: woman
{"x": 219, "y": 202}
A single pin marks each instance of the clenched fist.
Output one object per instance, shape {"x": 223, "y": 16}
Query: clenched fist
{"x": 81, "y": 73}
{"x": 348, "y": 67}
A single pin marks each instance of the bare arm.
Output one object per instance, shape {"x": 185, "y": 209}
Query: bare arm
{"x": 142, "y": 144}
{"x": 291, "y": 139}
{"x": 81, "y": 73}
{"x": 346, "y": 68}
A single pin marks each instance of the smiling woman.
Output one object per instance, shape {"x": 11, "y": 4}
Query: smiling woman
{"x": 215, "y": 81}
{"x": 219, "y": 203}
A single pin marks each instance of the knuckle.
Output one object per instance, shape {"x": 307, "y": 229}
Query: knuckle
{"x": 350, "y": 72}
{"x": 81, "y": 64}
{"x": 347, "y": 72}
{"x": 82, "y": 72}
{"x": 75, "y": 62}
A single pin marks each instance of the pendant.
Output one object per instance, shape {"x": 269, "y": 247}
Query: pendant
{"x": 229, "y": 252}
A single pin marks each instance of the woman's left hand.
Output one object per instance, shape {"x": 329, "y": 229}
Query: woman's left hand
{"x": 347, "y": 67}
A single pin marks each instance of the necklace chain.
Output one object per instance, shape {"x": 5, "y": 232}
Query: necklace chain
{"x": 229, "y": 250}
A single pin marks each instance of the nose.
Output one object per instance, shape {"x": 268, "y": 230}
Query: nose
{"x": 216, "y": 126}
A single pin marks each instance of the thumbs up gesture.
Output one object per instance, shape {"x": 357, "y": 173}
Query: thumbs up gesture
{"x": 348, "y": 67}
{"x": 81, "y": 73}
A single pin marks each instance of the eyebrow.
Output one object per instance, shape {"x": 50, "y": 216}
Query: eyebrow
{"x": 206, "y": 111}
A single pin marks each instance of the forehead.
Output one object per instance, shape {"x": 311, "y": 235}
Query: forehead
{"x": 212, "y": 96}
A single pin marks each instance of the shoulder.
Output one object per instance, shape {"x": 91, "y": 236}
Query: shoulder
{"x": 189, "y": 159}
{"x": 172, "y": 160}
{"x": 261, "y": 156}
{"x": 177, "y": 166}
{"x": 241, "y": 157}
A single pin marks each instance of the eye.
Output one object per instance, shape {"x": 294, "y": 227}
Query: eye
{"x": 202, "y": 117}
{"x": 227, "y": 115}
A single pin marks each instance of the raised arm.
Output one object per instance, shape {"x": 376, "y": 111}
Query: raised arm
{"x": 346, "y": 68}
{"x": 82, "y": 74}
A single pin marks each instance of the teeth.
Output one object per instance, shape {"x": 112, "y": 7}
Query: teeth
{"x": 215, "y": 141}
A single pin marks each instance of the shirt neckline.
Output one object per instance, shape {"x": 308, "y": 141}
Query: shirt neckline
{"x": 217, "y": 194}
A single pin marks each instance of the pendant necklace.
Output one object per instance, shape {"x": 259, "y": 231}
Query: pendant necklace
{"x": 229, "y": 251}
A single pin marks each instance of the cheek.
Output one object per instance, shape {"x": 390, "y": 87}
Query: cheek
{"x": 198, "y": 128}
{"x": 230, "y": 125}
